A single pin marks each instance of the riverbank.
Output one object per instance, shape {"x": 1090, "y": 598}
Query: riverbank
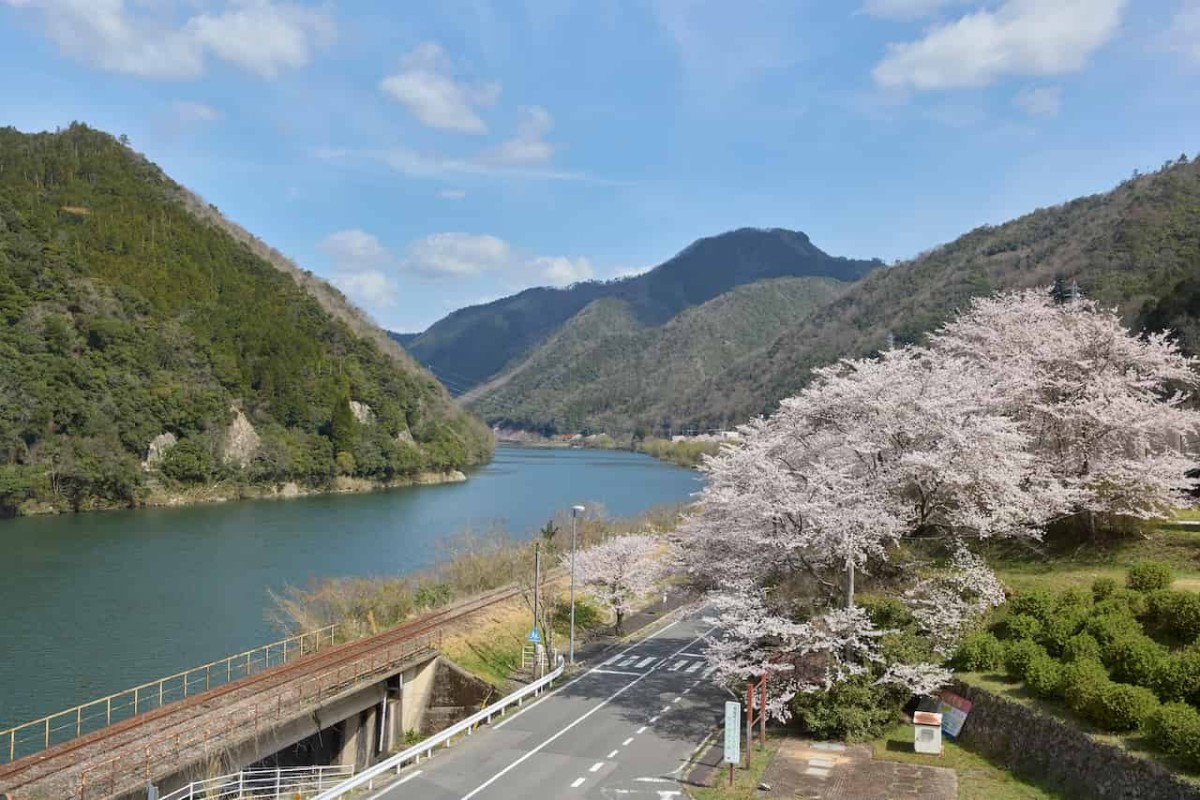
{"x": 687, "y": 452}
{"x": 226, "y": 492}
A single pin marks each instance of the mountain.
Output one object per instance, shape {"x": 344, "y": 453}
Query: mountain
{"x": 149, "y": 345}
{"x": 606, "y": 370}
{"x": 474, "y": 344}
{"x": 1136, "y": 248}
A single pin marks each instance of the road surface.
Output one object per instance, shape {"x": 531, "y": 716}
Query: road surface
{"x": 623, "y": 729}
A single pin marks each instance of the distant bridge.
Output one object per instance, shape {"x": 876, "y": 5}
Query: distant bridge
{"x": 343, "y": 704}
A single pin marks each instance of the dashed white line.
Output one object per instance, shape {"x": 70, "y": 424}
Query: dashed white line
{"x": 626, "y": 742}
{"x": 695, "y": 667}
{"x": 654, "y": 719}
{"x": 598, "y": 671}
{"x": 612, "y": 755}
{"x": 599, "y": 765}
{"x": 677, "y": 699}
{"x": 665, "y": 709}
{"x": 641, "y": 730}
{"x": 577, "y": 783}
{"x": 535, "y": 750}
{"x": 685, "y": 691}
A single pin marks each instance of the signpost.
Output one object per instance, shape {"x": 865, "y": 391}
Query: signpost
{"x": 733, "y": 735}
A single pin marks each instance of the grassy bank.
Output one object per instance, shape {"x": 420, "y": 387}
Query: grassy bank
{"x": 682, "y": 453}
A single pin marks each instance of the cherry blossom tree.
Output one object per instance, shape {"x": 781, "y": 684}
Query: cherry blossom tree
{"x": 619, "y": 570}
{"x": 1019, "y": 413}
{"x": 1106, "y": 411}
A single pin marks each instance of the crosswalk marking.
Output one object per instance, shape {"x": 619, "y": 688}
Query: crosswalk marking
{"x": 695, "y": 667}
{"x": 678, "y": 664}
{"x": 645, "y": 662}
{"x": 628, "y": 661}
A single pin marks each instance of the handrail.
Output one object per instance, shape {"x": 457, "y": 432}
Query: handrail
{"x": 273, "y": 781}
{"x": 367, "y": 777}
{"x": 61, "y": 726}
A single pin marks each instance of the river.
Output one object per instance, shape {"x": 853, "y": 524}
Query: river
{"x": 94, "y": 603}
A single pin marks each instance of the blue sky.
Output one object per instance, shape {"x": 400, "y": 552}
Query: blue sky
{"x": 426, "y": 158}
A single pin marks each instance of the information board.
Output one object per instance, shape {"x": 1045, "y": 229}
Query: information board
{"x": 733, "y": 732}
{"x": 954, "y": 713}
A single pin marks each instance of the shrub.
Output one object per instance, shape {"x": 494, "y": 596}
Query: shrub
{"x": 1038, "y": 604}
{"x": 1108, "y": 627}
{"x": 1179, "y": 676}
{"x": 979, "y": 652}
{"x": 1081, "y": 645}
{"x": 1135, "y": 659}
{"x": 1174, "y": 614}
{"x": 587, "y": 615}
{"x": 1083, "y": 681}
{"x": 1043, "y": 676}
{"x": 1019, "y": 654}
{"x": 1121, "y": 707}
{"x": 1149, "y": 576}
{"x": 1022, "y": 626}
{"x": 1174, "y": 728}
{"x": 853, "y": 710}
{"x": 885, "y": 611}
{"x": 1073, "y": 599}
{"x": 1124, "y": 601}
{"x": 1060, "y": 628}
{"x": 1103, "y": 588}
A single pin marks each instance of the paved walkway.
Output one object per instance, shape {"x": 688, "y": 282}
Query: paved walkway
{"x": 829, "y": 771}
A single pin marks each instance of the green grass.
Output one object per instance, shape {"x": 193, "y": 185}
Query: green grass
{"x": 1179, "y": 546}
{"x": 978, "y": 778}
{"x": 745, "y": 781}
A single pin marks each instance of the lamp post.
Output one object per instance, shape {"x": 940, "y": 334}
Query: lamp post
{"x": 575, "y": 512}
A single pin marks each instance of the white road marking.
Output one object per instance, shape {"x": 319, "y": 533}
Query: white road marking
{"x": 626, "y": 742}
{"x": 534, "y": 751}
{"x": 665, "y": 709}
{"x": 654, "y": 719}
{"x": 599, "y": 765}
{"x": 394, "y": 784}
{"x": 554, "y": 691}
{"x": 628, "y": 661}
{"x": 577, "y": 783}
{"x": 678, "y": 664}
{"x": 598, "y": 671}
{"x": 641, "y": 730}
{"x": 694, "y": 655}
{"x": 612, "y": 755}
{"x": 611, "y": 660}
{"x": 677, "y": 699}
{"x": 697, "y": 665}
{"x": 653, "y": 780}
{"x": 709, "y": 671}
{"x": 685, "y": 691}
{"x": 645, "y": 662}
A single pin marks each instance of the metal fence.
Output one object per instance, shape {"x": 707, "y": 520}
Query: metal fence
{"x": 264, "y": 784}
{"x": 367, "y": 778}
{"x": 207, "y": 736}
{"x": 63, "y": 726}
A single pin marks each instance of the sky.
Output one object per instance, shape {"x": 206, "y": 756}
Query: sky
{"x": 427, "y": 156}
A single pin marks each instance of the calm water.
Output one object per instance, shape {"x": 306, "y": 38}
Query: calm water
{"x": 94, "y": 603}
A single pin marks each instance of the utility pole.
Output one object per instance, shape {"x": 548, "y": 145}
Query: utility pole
{"x": 575, "y": 511}
{"x": 537, "y": 582}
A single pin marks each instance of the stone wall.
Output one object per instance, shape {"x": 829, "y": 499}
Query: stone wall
{"x": 1036, "y": 744}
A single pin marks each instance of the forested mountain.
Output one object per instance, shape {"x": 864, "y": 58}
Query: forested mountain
{"x": 474, "y": 344}
{"x": 607, "y": 371}
{"x": 1136, "y": 248}
{"x": 149, "y": 344}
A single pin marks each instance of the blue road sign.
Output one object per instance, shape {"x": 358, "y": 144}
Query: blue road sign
{"x": 534, "y": 636}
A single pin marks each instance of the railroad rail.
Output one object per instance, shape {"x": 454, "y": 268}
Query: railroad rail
{"x": 171, "y": 733}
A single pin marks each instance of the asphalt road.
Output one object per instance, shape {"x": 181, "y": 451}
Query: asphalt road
{"x": 623, "y": 729}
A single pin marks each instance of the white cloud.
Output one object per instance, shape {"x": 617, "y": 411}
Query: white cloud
{"x": 259, "y": 36}
{"x": 1020, "y": 37}
{"x": 562, "y": 271}
{"x": 360, "y": 267}
{"x": 416, "y": 164}
{"x": 262, "y": 37}
{"x": 1185, "y": 29}
{"x": 187, "y": 112}
{"x": 528, "y": 146}
{"x": 458, "y": 255}
{"x": 1040, "y": 101}
{"x": 452, "y": 194}
{"x": 906, "y": 9}
{"x": 426, "y": 88}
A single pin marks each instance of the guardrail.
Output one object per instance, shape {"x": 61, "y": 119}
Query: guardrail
{"x": 276, "y": 784}
{"x": 366, "y": 778}
{"x": 62, "y": 726}
{"x": 207, "y": 736}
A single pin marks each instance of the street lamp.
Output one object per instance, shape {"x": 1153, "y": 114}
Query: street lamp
{"x": 575, "y": 512}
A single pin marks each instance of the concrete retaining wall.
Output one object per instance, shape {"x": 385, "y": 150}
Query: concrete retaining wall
{"x": 1039, "y": 745}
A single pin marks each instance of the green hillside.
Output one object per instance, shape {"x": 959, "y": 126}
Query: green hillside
{"x": 131, "y": 311}
{"x": 475, "y": 344}
{"x": 607, "y": 371}
{"x": 1136, "y": 247}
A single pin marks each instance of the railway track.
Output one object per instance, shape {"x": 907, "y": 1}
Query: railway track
{"x": 173, "y": 720}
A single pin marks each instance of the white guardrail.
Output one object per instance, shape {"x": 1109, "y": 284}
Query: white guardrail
{"x": 276, "y": 783}
{"x": 366, "y": 779}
